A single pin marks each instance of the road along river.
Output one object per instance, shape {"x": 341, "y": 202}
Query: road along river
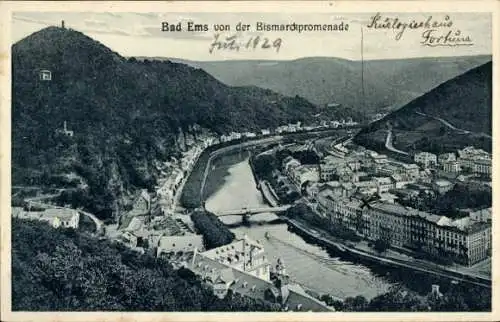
{"x": 230, "y": 185}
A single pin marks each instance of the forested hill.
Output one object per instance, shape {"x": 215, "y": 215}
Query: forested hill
{"x": 124, "y": 113}
{"x": 63, "y": 270}
{"x": 464, "y": 102}
{"x": 389, "y": 84}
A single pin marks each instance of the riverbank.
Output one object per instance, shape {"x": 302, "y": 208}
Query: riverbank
{"x": 321, "y": 237}
{"x": 193, "y": 193}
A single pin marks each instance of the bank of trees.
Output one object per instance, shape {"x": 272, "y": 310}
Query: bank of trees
{"x": 214, "y": 232}
{"x": 462, "y": 196}
{"x": 457, "y": 298}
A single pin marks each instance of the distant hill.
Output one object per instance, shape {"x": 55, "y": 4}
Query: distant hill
{"x": 125, "y": 114}
{"x": 388, "y": 83}
{"x": 452, "y": 115}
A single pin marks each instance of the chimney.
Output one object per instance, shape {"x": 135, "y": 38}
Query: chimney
{"x": 62, "y": 24}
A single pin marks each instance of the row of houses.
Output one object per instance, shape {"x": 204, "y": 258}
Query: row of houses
{"x": 469, "y": 159}
{"x": 179, "y": 169}
{"x": 467, "y": 240}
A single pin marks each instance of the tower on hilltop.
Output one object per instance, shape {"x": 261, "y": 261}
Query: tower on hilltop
{"x": 62, "y": 24}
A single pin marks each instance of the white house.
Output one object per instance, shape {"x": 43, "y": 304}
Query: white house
{"x": 45, "y": 75}
{"x": 426, "y": 159}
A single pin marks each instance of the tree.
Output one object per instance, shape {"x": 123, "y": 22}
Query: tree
{"x": 355, "y": 304}
{"x": 214, "y": 232}
{"x": 381, "y": 245}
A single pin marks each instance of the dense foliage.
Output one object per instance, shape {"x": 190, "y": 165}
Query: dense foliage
{"x": 126, "y": 115}
{"x": 462, "y": 196}
{"x": 215, "y": 233}
{"x": 457, "y": 298}
{"x": 464, "y": 101}
{"x": 63, "y": 270}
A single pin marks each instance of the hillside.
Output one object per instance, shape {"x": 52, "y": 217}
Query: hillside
{"x": 388, "y": 83}
{"x": 63, "y": 270}
{"x": 125, "y": 114}
{"x": 455, "y": 114}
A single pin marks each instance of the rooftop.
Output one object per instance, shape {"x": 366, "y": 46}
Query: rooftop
{"x": 252, "y": 286}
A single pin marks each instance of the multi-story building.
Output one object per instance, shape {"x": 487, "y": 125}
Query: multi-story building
{"x": 245, "y": 254}
{"x": 471, "y": 152}
{"x": 222, "y": 277}
{"x": 469, "y": 156}
{"x": 302, "y": 174}
{"x": 467, "y": 163}
{"x": 353, "y": 164}
{"x": 327, "y": 171}
{"x": 447, "y": 157}
{"x": 426, "y": 159}
{"x": 384, "y": 184}
{"x": 451, "y": 166}
{"x": 378, "y": 158}
{"x": 411, "y": 171}
{"x": 482, "y": 166}
{"x": 481, "y": 215}
{"x": 347, "y": 212}
{"x": 442, "y": 186}
{"x": 466, "y": 240}
{"x": 56, "y": 217}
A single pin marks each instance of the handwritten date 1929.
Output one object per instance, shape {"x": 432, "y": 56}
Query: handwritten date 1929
{"x": 235, "y": 43}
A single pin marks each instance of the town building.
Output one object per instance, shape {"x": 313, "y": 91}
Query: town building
{"x": 465, "y": 240}
{"x": 473, "y": 153}
{"x": 56, "y": 217}
{"x": 384, "y": 184}
{"x": 177, "y": 244}
{"x": 426, "y": 159}
{"x": 451, "y": 166}
{"x": 468, "y": 158}
{"x": 377, "y": 158}
{"x": 482, "y": 166}
{"x": 222, "y": 278}
{"x": 327, "y": 171}
{"x": 45, "y": 75}
{"x": 442, "y": 186}
{"x": 411, "y": 171}
{"x": 245, "y": 254}
{"x": 480, "y": 215}
{"x": 304, "y": 173}
{"x": 447, "y": 157}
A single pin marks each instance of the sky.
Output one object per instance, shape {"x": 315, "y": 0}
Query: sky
{"x": 140, "y": 34}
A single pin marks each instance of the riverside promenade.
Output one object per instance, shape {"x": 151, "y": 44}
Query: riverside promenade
{"x": 390, "y": 258}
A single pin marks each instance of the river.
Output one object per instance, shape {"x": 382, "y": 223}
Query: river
{"x": 230, "y": 185}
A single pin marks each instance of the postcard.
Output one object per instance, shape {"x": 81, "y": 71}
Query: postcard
{"x": 248, "y": 161}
